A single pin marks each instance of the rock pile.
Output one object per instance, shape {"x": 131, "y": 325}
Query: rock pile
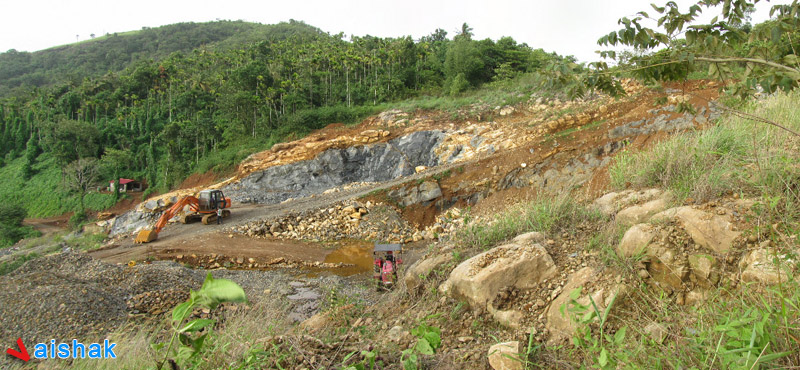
{"x": 346, "y": 220}
{"x": 216, "y": 261}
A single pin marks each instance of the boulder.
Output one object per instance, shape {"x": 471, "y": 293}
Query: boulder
{"x": 709, "y": 230}
{"x": 667, "y": 266}
{"x": 417, "y": 273}
{"x": 641, "y": 213}
{"x": 759, "y": 266}
{"x": 703, "y": 268}
{"x": 151, "y": 205}
{"x": 510, "y": 318}
{"x": 610, "y": 203}
{"x": 521, "y": 265}
{"x": 505, "y": 356}
{"x": 636, "y": 240}
{"x": 429, "y": 190}
{"x": 562, "y": 327}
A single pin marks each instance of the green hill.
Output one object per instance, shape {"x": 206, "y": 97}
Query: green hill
{"x": 117, "y": 51}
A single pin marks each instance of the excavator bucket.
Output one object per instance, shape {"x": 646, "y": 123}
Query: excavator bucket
{"x": 146, "y": 236}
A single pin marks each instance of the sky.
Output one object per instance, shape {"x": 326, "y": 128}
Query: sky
{"x": 568, "y": 27}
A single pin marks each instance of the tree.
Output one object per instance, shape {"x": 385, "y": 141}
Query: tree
{"x": 722, "y": 47}
{"x": 465, "y": 32}
{"x": 31, "y": 152}
{"x": 464, "y": 59}
{"x": 80, "y": 176}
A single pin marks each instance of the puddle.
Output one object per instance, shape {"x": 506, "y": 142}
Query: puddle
{"x": 357, "y": 256}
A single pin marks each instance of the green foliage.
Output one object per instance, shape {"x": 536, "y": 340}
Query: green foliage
{"x": 758, "y": 57}
{"x": 429, "y": 339}
{"x": 8, "y": 266}
{"x": 367, "y": 361}
{"x": 543, "y": 215}
{"x": 211, "y": 294}
{"x": 606, "y": 350}
{"x": 11, "y": 227}
{"x": 173, "y": 109}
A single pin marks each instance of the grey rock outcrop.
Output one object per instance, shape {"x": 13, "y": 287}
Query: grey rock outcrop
{"x": 337, "y": 167}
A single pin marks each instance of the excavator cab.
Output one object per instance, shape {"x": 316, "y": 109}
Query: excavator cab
{"x": 210, "y": 200}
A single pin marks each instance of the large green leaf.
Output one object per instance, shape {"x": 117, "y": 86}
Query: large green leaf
{"x": 216, "y": 291}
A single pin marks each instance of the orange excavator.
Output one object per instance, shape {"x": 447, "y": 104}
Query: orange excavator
{"x": 204, "y": 207}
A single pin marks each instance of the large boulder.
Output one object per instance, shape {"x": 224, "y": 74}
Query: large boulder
{"x": 712, "y": 231}
{"x": 505, "y": 356}
{"x": 521, "y": 264}
{"x": 420, "y": 271}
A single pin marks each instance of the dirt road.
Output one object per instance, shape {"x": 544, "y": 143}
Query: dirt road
{"x": 199, "y": 239}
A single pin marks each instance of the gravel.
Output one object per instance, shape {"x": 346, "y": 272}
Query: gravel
{"x": 72, "y": 295}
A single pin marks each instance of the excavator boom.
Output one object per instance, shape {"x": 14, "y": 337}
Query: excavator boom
{"x": 147, "y": 236}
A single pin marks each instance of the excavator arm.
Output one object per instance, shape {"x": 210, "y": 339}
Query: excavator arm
{"x": 148, "y": 235}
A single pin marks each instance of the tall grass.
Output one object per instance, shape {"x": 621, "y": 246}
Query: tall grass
{"x": 735, "y": 155}
{"x": 544, "y": 214}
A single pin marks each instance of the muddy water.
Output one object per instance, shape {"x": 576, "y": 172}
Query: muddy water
{"x": 358, "y": 255}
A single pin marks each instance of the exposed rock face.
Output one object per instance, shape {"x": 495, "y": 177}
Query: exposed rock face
{"x": 711, "y": 231}
{"x": 336, "y": 167}
{"x": 131, "y": 222}
{"x": 416, "y": 274}
{"x": 520, "y": 264}
{"x": 664, "y": 122}
{"x": 505, "y": 356}
{"x": 422, "y": 193}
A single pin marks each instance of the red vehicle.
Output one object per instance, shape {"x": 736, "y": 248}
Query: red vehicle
{"x": 386, "y": 259}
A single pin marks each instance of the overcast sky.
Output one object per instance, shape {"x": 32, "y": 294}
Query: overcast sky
{"x": 568, "y": 27}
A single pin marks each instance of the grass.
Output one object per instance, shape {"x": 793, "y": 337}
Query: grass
{"x": 480, "y": 102}
{"x": 43, "y": 195}
{"x": 735, "y": 155}
{"x": 545, "y": 214}
{"x": 7, "y": 267}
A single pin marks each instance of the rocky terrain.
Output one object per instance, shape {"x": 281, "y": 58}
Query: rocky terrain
{"x": 422, "y": 181}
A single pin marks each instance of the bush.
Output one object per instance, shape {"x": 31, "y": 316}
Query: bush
{"x": 77, "y": 219}
{"x": 11, "y": 228}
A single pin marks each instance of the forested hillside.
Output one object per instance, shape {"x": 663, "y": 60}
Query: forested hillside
{"x": 114, "y": 52}
{"x": 169, "y": 114}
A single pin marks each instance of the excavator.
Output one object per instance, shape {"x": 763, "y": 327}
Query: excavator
{"x": 203, "y": 207}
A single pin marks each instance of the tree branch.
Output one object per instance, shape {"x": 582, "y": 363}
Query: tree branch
{"x": 748, "y": 60}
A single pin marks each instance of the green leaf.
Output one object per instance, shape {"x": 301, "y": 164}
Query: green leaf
{"x": 196, "y": 325}
{"x": 603, "y": 359}
{"x": 433, "y": 339}
{"x": 181, "y": 311}
{"x": 216, "y": 291}
{"x": 424, "y": 347}
{"x": 619, "y": 336}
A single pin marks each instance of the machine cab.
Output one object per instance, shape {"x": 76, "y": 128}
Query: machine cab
{"x": 210, "y": 200}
